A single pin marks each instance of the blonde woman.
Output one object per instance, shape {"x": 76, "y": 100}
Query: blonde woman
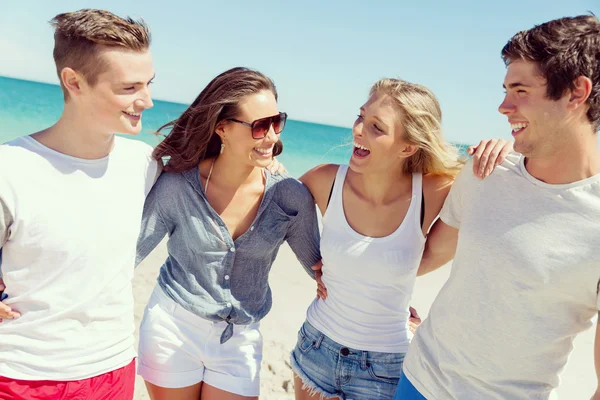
{"x": 376, "y": 214}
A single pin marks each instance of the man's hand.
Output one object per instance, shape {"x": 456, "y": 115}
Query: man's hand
{"x": 414, "y": 320}
{"x": 5, "y": 311}
{"x": 321, "y": 289}
{"x": 488, "y": 154}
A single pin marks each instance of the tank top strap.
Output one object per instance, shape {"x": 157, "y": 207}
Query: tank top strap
{"x": 417, "y": 196}
{"x": 336, "y": 203}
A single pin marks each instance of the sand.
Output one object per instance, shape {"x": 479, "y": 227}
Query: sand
{"x": 293, "y": 291}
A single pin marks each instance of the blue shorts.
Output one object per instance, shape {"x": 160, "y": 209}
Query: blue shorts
{"x": 406, "y": 390}
{"x": 331, "y": 369}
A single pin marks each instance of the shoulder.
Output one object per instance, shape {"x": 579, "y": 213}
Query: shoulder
{"x": 290, "y": 193}
{"x": 285, "y": 184}
{"x": 17, "y": 152}
{"x": 134, "y": 147}
{"x": 169, "y": 185}
{"x": 319, "y": 180}
{"x": 437, "y": 186}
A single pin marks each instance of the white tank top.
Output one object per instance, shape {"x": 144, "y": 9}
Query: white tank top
{"x": 369, "y": 280}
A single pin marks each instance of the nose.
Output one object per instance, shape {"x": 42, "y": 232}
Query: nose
{"x": 145, "y": 99}
{"x": 271, "y": 135}
{"x": 357, "y": 129}
{"x": 506, "y": 107}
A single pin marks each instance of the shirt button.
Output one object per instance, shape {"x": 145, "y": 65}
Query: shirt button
{"x": 226, "y": 277}
{"x": 228, "y": 304}
{"x": 232, "y": 249}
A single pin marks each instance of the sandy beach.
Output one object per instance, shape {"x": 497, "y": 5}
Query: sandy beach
{"x": 293, "y": 290}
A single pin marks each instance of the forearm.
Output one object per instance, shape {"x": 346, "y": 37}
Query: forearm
{"x": 439, "y": 248}
{"x": 432, "y": 261}
{"x": 152, "y": 232}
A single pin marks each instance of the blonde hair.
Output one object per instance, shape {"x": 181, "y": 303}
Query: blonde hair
{"x": 422, "y": 123}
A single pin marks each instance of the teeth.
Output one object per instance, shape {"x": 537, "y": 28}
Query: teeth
{"x": 133, "y": 114}
{"x": 264, "y": 151}
{"x": 360, "y": 146}
{"x": 520, "y": 125}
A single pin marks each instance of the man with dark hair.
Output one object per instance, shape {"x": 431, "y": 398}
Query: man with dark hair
{"x": 71, "y": 199}
{"x": 526, "y": 240}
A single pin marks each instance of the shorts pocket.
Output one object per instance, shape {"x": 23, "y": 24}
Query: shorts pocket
{"x": 305, "y": 344}
{"x": 385, "y": 372}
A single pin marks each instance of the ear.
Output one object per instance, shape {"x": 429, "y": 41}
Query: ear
{"x": 220, "y": 129}
{"x": 580, "y": 94}
{"x": 72, "y": 81}
{"x": 408, "y": 150}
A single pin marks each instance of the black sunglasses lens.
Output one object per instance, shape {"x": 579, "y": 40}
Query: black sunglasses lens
{"x": 260, "y": 127}
{"x": 279, "y": 122}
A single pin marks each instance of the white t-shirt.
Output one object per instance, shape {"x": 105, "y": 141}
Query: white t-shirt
{"x": 68, "y": 258}
{"x": 524, "y": 283}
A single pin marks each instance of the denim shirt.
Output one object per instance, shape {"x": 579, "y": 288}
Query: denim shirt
{"x": 207, "y": 272}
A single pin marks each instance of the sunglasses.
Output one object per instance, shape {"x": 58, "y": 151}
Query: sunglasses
{"x": 261, "y": 127}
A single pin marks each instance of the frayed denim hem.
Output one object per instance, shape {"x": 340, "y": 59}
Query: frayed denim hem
{"x": 308, "y": 384}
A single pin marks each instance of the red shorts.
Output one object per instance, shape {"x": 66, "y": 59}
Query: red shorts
{"x": 114, "y": 385}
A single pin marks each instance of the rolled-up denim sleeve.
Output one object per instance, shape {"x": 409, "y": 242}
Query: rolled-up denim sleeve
{"x": 303, "y": 235}
{"x": 154, "y": 226}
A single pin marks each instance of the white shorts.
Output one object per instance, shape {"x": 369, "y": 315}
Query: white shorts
{"x": 178, "y": 349}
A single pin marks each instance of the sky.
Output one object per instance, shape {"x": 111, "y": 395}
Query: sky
{"x": 323, "y": 55}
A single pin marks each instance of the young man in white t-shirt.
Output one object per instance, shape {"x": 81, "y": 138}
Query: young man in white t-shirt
{"x": 525, "y": 276}
{"x": 71, "y": 199}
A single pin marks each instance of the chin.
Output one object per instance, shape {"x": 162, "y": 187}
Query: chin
{"x": 355, "y": 166}
{"x": 132, "y": 131}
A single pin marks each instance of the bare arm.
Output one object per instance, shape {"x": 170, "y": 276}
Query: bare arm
{"x": 319, "y": 181}
{"x": 596, "y": 395}
{"x": 439, "y": 248}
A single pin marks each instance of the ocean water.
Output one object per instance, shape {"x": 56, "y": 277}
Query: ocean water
{"x": 27, "y": 107}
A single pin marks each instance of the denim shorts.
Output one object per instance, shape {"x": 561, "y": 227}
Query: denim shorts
{"x": 331, "y": 369}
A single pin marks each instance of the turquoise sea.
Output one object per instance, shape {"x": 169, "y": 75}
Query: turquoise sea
{"x": 27, "y": 107}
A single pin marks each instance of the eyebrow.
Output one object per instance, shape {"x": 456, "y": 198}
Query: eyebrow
{"x": 376, "y": 117}
{"x": 514, "y": 85}
{"x": 138, "y": 83}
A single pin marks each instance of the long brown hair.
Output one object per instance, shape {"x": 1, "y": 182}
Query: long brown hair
{"x": 192, "y": 137}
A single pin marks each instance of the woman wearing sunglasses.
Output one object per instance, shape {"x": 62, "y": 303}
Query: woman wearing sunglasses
{"x": 376, "y": 214}
{"x": 226, "y": 217}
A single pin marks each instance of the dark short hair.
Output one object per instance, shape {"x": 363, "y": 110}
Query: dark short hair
{"x": 563, "y": 49}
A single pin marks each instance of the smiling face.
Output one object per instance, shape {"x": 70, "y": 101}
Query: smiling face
{"x": 121, "y": 93}
{"x": 238, "y": 137}
{"x": 378, "y": 136}
{"x": 538, "y": 124}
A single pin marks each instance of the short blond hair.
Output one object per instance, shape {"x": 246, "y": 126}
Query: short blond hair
{"x": 79, "y": 35}
{"x": 422, "y": 123}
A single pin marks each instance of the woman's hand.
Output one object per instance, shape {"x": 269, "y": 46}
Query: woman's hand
{"x": 5, "y": 311}
{"x": 276, "y": 168}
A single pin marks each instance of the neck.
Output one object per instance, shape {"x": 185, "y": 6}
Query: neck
{"x": 75, "y": 136}
{"x": 230, "y": 173}
{"x": 576, "y": 160}
{"x": 380, "y": 188}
